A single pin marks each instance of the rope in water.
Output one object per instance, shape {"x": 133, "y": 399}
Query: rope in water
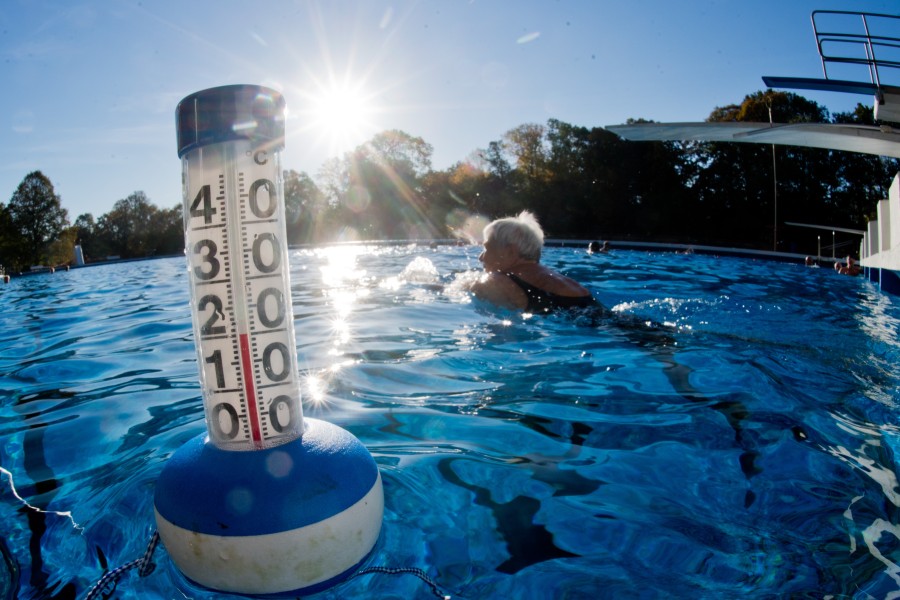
{"x": 406, "y": 570}
{"x": 145, "y": 565}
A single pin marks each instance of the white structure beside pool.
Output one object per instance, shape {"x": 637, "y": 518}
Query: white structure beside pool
{"x": 879, "y": 251}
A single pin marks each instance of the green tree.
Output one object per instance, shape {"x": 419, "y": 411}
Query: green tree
{"x": 376, "y": 189}
{"x": 862, "y": 179}
{"x": 61, "y": 251}
{"x": 500, "y": 194}
{"x": 127, "y": 228}
{"x": 334, "y": 179}
{"x": 607, "y": 213}
{"x": 528, "y": 145}
{"x": 167, "y": 231}
{"x": 567, "y": 148}
{"x": 406, "y": 154}
{"x": 12, "y": 256}
{"x": 305, "y": 208}
{"x": 495, "y": 157}
{"x": 744, "y": 192}
{"x": 86, "y": 234}
{"x": 37, "y": 218}
{"x": 568, "y": 184}
{"x": 449, "y": 199}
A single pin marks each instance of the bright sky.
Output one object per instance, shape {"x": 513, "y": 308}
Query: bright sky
{"x": 89, "y": 88}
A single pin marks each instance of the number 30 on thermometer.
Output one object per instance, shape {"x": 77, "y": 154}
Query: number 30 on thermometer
{"x": 240, "y": 293}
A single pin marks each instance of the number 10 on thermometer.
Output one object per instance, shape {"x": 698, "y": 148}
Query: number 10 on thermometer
{"x": 240, "y": 294}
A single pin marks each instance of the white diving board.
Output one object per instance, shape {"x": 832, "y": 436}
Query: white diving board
{"x": 821, "y": 85}
{"x": 866, "y": 139}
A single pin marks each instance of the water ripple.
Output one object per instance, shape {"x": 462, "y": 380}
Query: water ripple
{"x": 747, "y": 451}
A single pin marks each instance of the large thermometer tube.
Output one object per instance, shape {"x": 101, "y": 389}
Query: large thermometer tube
{"x": 265, "y": 502}
{"x": 239, "y": 270}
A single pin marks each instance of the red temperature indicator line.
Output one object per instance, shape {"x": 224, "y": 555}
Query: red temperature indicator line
{"x": 250, "y": 391}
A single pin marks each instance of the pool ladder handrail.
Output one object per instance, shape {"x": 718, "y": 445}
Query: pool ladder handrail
{"x": 826, "y": 40}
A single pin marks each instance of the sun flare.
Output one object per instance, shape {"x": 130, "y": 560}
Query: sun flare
{"x": 340, "y": 116}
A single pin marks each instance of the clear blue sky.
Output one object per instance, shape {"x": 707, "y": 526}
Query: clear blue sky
{"x": 89, "y": 88}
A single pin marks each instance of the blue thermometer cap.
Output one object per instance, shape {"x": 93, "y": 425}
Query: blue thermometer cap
{"x": 231, "y": 112}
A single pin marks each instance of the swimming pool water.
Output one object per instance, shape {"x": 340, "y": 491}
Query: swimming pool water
{"x": 746, "y": 450}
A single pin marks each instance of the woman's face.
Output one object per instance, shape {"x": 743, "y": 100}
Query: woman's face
{"x": 498, "y": 257}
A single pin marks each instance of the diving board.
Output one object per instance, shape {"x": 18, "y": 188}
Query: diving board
{"x": 886, "y": 97}
{"x": 866, "y": 139}
{"x": 821, "y": 85}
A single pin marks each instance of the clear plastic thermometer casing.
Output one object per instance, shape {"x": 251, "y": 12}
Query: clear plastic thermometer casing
{"x": 239, "y": 270}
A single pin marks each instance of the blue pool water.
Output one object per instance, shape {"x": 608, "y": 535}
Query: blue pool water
{"x": 746, "y": 451}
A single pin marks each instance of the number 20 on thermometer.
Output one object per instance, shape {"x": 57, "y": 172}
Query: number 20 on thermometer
{"x": 240, "y": 294}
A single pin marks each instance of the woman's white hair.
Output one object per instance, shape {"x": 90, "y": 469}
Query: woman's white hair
{"x": 522, "y": 231}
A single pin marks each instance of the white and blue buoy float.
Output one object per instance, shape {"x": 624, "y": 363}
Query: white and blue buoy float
{"x": 265, "y": 501}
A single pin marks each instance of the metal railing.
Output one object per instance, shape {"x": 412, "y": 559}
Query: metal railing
{"x": 877, "y": 51}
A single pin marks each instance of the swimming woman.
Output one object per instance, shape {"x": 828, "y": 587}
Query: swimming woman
{"x": 513, "y": 276}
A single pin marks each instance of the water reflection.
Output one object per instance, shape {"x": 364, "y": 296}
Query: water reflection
{"x": 340, "y": 265}
{"x": 877, "y": 533}
{"x": 876, "y": 319}
{"x": 870, "y": 457}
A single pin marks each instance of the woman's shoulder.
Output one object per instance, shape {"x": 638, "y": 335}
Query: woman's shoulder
{"x": 552, "y": 281}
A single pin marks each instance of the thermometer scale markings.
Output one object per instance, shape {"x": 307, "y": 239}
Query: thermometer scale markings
{"x": 230, "y": 300}
{"x": 249, "y": 391}
{"x": 244, "y": 325}
{"x": 263, "y": 262}
{"x": 241, "y": 294}
{"x": 220, "y": 253}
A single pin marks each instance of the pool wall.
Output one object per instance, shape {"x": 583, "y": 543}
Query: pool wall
{"x": 879, "y": 250}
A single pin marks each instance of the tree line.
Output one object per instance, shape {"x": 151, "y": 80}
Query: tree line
{"x": 582, "y": 183}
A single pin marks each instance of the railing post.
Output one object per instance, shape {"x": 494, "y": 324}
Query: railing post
{"x": 812, "y": 17}
{"x": 870, "y": 53}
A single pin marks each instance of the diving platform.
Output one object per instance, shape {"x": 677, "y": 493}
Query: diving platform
{"x": 865, "y": 139}
{"x": 854, "y": 41}
{"x": 821, "y": 85}
{"x": 886, "y": 98}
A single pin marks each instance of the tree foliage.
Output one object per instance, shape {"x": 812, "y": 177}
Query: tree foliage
{"x": 34, "y": 219}
{"x": 582, "y": 182}
{"x": 375, "y": 191}
{"x": 34, "y": 229}
{"x": 126, "y": 228}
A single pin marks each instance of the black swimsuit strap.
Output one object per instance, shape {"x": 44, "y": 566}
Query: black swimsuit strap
{"x": 542, "y": 301}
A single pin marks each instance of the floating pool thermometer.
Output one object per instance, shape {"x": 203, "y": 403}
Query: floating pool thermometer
{"x": 265, "y": 502}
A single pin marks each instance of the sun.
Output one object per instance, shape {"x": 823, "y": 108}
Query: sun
{"x": 339, "y": 116}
